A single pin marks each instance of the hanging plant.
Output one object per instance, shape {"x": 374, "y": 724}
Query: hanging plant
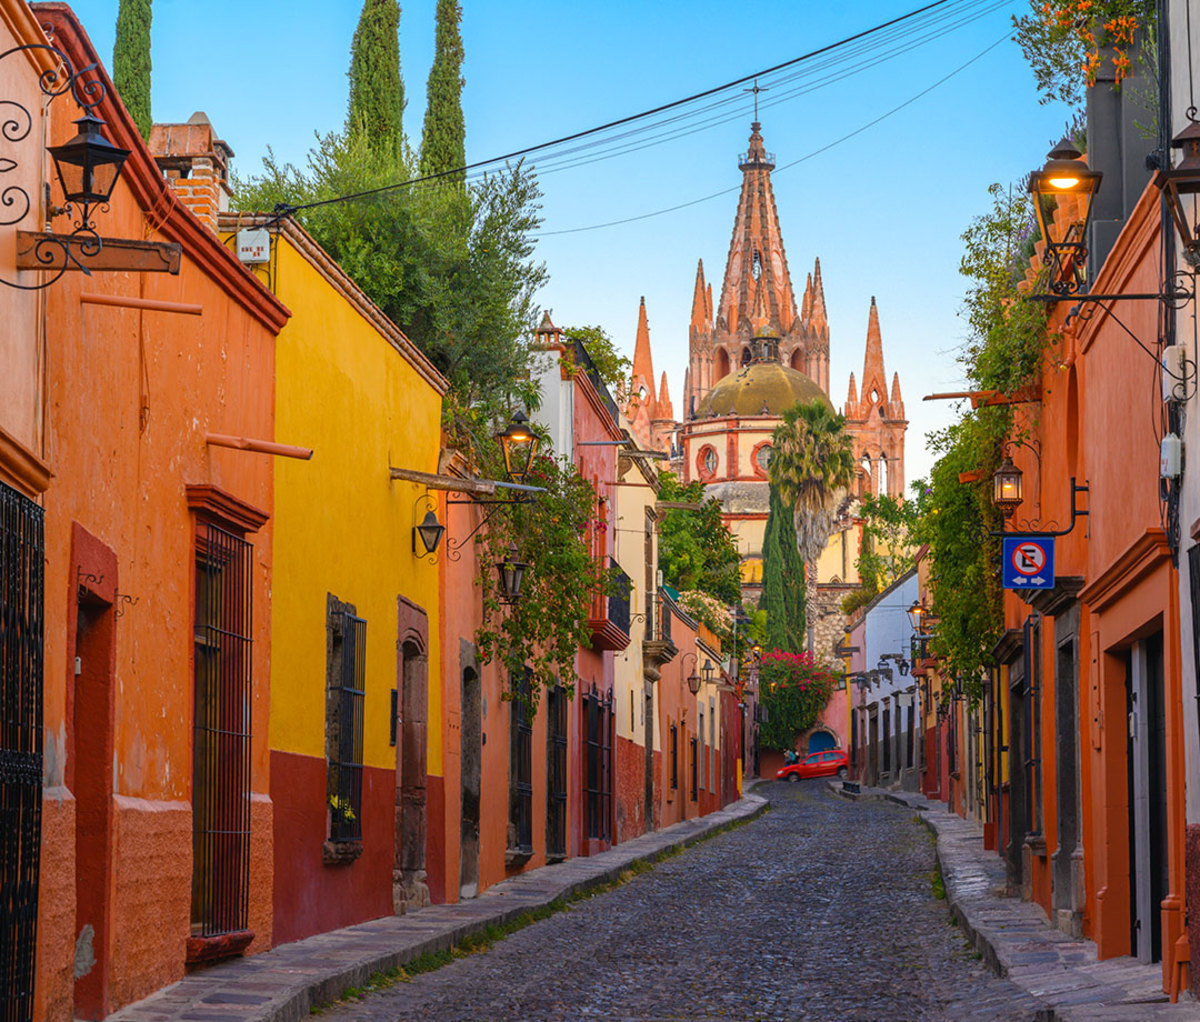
{"x": 794, "y": 691}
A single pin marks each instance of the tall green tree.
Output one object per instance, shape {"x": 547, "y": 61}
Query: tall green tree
{"x": 695, "y": 549}
{"x": 443, "y": 137}
{"x": 131, "y": 61}
{"x": 376, "y": 88}
{"x": 783, "y": 593}
{"x": 812, "y": 466}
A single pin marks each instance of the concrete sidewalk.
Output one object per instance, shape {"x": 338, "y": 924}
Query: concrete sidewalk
{"x": 1016, "y": 939}
{"x": 283, "y": 985}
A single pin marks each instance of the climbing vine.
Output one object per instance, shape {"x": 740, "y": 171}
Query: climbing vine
{"x": 554, "y": 534}
{"x": 794, "y": 691}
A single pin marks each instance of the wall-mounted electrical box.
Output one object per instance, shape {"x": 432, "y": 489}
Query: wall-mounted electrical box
{"x": 254, "y": 246}
{"x": 1170, "y": 460}
{"x": 1174, "y": 358}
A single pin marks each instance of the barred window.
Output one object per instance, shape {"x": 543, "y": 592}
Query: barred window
{"x": 221, "y": 748}
{"x": 520, "y": 802}
{"x": 599, "y": 722}
{"x": 556, "y": 774}
{"x": 675, "y": 757}
{"x": 346, "y": 658}
{"x": 695, "y": 767}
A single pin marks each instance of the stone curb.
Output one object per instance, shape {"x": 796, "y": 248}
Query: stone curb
{"x": 286, "y": 983}
{"x": 1017, "y": 942}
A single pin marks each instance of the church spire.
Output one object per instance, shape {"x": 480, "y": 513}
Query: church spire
{"x": 700, "y": 310}
{"x": 756, "y": 255}
{"x": 817, "y": 313}
{"x": 643, "y": 363}
{"x": 873, "y": 361}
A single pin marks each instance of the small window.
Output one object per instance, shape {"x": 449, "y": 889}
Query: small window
{"x": 346, "y": 657}
{"x": 674, "y": 757}
{"x": 520, "y": 819}
{"x": 706, "y": 462}
{"x": 763, "y": 457}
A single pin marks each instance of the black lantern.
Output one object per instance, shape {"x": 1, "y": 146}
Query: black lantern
{"x": 89, "y": 164}
{"x": 1006, "y": 487}
{"x": 1184, "y": 179}
{"x": 519, "y": 445}
{"x": 916, "y": 615}
{"x": 430, "y": 532}
{"x": 512, "y": 574}
{"x": 709, "y": 671}
{"x": 1066, "y": 251}
{"x": 693, "y": 682}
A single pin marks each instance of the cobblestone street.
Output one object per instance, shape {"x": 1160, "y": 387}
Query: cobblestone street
{"x": 820, "y": 909}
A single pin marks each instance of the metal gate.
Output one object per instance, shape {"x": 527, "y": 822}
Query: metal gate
{"x": 21, "y": 569}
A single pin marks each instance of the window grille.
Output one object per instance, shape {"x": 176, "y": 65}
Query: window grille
{"x": 675, "y": 756}
{"x": 344, "y": 706}
{"x": 221, "y": 759}
{"x": 599, "y": 720}
{"x": 21, "y": 587}
{"x": 556, "y": 774}
{"x": 521, "y": 768}
{"x": 695, "y": 770}
{"x": 1194, "y": 591}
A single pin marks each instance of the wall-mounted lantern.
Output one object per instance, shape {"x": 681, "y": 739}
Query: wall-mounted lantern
{"x": 1006, "y": 487}
{"x": 512, "y": 574}
{"x": 88, "y": 165}
{"x": 428, "y": 532}
{"x": 1065, "y": 254}
{"x": 519, "y": 443}
{"x": 1181, "y": 180}
{"x": 916, "y": 615}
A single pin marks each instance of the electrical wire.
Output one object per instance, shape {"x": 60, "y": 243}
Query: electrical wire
{"x": 808, "y": 156}
{"x": 632, "y": 118}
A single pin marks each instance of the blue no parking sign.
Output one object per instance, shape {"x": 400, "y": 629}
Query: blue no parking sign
{"x": 1028, "y": 562}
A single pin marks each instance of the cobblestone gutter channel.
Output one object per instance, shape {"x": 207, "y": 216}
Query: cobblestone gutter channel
{"x": 285, "y": 984}
{"x": 1016, "y": 940}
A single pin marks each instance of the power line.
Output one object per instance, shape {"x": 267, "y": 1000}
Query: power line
{"x": 517, "y": 153}
{"x": 808, "y": 156}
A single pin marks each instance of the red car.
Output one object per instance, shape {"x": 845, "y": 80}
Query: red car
{"x": 817, "y": 764}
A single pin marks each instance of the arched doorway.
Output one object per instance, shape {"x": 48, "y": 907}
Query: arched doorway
{"x": 471, "y": 769}
{"x": 822, "y": 739}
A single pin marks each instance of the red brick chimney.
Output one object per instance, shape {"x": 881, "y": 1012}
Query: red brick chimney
{"x": 196, "y": 163}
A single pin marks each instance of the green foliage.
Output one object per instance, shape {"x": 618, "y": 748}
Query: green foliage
{"x": 1007, "y": 329}
{"x": 812, "y": 465}
{"x": 376, "y": 90}
{"x": 887, "y": 550}
{"x": 964, "y": 558}
{"x": 612, "y": 366}
{"x": 545, "y": 628}
{"x": 783, "y": 592}
{"x": 695, "y": 549}
{"x": 794, "y": 691}
{"x": 443, "y": 137}
{"x": 1063, "y": 42}
{"x": 131, "y": 61}
{"x": 454, "y": 270}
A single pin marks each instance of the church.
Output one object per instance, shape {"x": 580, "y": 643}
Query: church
{"x": 750, "y": 357}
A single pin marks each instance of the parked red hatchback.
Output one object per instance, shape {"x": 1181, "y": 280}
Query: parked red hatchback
{"x": 817, "y": 764}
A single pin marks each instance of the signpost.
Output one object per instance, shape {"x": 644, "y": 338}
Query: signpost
{"x": 1028, "y": 562}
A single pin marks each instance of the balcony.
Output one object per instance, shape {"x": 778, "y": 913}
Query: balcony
{"x": 658, "y": 648}
{"x": 609, "y": 616}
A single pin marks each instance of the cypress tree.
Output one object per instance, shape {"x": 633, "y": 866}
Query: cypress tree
{"x": 376, "y": 89}
{"x": 131, "y": 61}
{"x": 443, "y": 138}
{"x": 783, "y": 596}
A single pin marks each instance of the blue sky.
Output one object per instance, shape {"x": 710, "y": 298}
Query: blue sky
{"x": 883, "y": 210}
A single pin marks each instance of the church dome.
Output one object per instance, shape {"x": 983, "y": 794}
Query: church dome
{"x": 761, "y": 388}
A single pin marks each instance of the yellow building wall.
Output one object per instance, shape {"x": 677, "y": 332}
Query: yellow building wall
{"x": 341, "y": 525}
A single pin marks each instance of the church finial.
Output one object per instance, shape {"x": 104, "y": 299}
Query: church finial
{"x": 700, "y": 311}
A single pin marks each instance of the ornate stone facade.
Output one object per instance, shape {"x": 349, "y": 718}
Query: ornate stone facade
{"x": 751, "y": 357}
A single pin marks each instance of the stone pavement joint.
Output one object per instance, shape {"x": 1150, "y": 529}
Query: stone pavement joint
{"x": 1016, "y": 940}
{"x": 289, "y": 981}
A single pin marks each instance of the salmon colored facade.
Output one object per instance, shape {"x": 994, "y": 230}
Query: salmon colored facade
{"x": 350, "y": 386}
{"x": 116, "y": 405}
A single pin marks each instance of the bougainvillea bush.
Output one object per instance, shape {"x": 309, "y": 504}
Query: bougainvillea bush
{"x": 793, "y": 690}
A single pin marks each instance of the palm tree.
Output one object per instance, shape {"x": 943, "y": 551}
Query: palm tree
{"x": 812, "y": 466}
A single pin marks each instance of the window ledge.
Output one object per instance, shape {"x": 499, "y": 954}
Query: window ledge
{"x": 554, "y": 857}
{"x": 204, "y": 950}
{"x": 514, "y": 857}
{"x": 340, "y": 853}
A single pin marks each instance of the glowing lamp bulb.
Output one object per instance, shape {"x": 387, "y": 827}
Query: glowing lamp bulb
{"x": 1063, "y": 183}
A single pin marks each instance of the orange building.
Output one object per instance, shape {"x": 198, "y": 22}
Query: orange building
{"x": 156, "y": 816}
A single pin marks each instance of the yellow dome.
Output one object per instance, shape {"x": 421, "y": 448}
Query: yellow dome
{"x": 761, "y": 388}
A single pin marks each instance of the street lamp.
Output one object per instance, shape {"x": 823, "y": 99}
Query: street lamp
{"x": 1066, "y": 251}
{"x": 1006, "y": 487}
{"x": 916, "y": 615}
{"x": 88, "y": 165}
{"x": 519, "y": 444}
{"x": 1184, "y": 179}
{"x": 512, "y": 574}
